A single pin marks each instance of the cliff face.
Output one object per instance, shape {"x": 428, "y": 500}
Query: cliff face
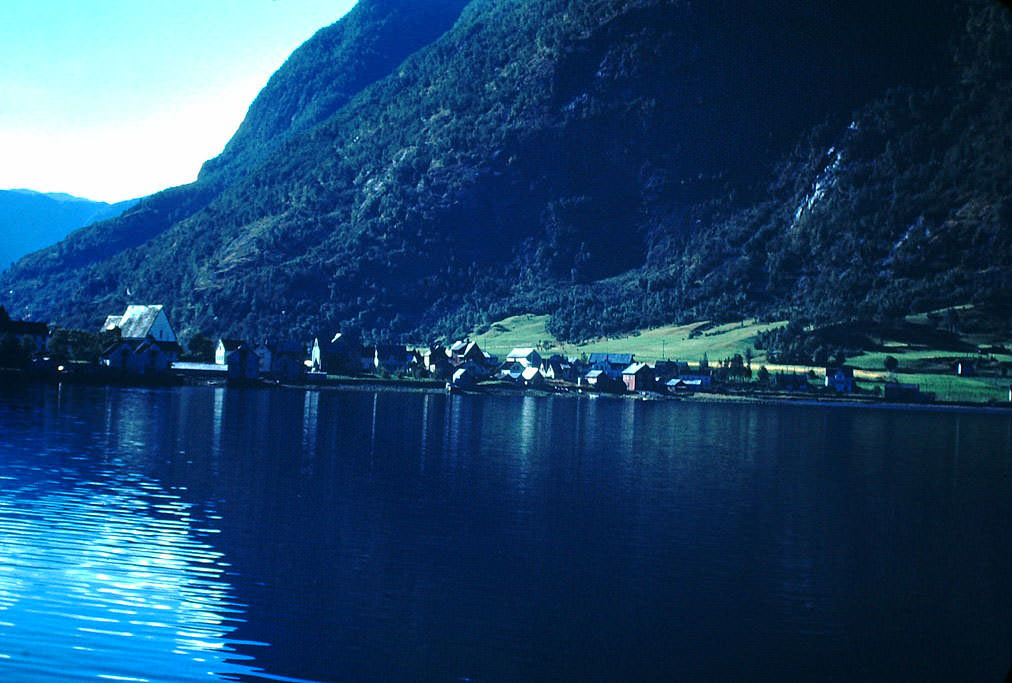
{"x": 615, "y": 164}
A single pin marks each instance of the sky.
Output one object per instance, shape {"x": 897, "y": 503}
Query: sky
{"x": 116, "y": 99}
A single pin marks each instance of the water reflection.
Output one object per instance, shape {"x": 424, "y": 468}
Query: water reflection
{"x": 398, "y": 536}
{"x": 105, "y": 573}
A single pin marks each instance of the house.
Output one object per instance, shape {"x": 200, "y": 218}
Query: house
{"x": 702, "y": 379}
{"x": 336, "y": 355}
{"x": 669, "y": 369}
{"x": 241, "y": 360}
{"x": 526, "y": 356}
{"x": 392, "y": 358}
{"x": 840, "y": 379}
{"x": 677, "y": 384}
{"x": 906, "y": 393}
{"x": 140, "y": 356}
{"x": 36, "y": 333}
{"x": 603, "y": 381}
{"x": 141, "y": 322}
{"x": 532, "y": 377}
{"x": 558, "y": 367}
{"x": 462, "y": 352}
{"x": 225, "y": 347}
{"x": 464, "y": 378}
{"x": 791, "y": 381}
{"x": 436, "y": 361}
{"x": 638, "y": 377}
{"x": 612, "y": 363}
{"x": 281, "y": 360}
{"x": 512, "y": 371}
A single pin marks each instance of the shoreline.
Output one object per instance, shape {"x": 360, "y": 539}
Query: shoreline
{"x": 11, "y": 379}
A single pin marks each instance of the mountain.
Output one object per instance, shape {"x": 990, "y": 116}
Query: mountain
{"x": 30, "y": 220}
{"x": 423, "y": 168}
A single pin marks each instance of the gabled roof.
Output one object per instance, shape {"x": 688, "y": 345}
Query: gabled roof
{"x": 594, "y": 373}
{"x": 521, "y": 352}
{"x": 137, "y": 321}
{"x": 458, "y": 346}
{"x": 530, "y": 373}
{"x": 635, "y": 368}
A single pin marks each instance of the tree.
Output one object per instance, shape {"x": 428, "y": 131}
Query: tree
{"x": 891, "y": 363}
{"x": 763, "y": 376}
{"x": 200, "y": 348}
{"x": 13, "y": 353}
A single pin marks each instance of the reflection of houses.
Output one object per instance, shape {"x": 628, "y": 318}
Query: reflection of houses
{"x": 141, "y": 322}
{"x": 840, "y": 379}
{"x": 22, "y": 330}
{"x": 638, "y": 377}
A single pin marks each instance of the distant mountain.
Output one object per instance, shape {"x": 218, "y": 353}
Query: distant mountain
{"x": 423, "y": 168}
{"x": 31, "y": 220}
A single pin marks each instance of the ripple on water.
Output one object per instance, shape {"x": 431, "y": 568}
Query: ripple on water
{"x": 116, "y": 572}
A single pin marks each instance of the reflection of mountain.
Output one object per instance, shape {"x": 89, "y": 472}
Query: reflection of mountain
{"x": 400, "y": 536}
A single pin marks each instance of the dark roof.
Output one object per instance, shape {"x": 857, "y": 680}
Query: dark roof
{"x": 231, "y": 344}
{"x": 624, "y": 359}
{"x": 847, "y": 372}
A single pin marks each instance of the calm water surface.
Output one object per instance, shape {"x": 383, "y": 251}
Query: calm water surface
{"x": 212, "y": 534}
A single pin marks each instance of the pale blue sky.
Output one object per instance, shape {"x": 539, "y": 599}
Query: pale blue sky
{"x": 113, "y": 99}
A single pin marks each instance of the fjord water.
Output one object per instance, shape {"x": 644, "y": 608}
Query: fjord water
{"x": 217, "y": 534}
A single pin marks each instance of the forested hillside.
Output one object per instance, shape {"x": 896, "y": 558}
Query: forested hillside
{"x": 31, "y": 220}
{"x": 614, "y": 164}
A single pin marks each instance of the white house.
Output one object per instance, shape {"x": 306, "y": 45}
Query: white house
{"x": 141, "y": 322}
{"x": 527, "y": 357}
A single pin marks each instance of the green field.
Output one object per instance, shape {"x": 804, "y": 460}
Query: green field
{"x": 930, "y": 368}
{"x": 670, "y": 342}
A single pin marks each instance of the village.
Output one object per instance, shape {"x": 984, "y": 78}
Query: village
{"x": 143, "y": 349}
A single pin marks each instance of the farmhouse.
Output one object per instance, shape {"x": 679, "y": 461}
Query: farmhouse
{"x": 638, "y": 377}
{"x": 840, "y": 379}
{"x": 36, "y": 333}
{"x": 526, "y": 356}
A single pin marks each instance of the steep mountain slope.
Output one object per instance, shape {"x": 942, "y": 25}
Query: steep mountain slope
{"x": 30, "y": 221}
{"x": 606, "y": 162}
{"x": 319, "y": 77}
